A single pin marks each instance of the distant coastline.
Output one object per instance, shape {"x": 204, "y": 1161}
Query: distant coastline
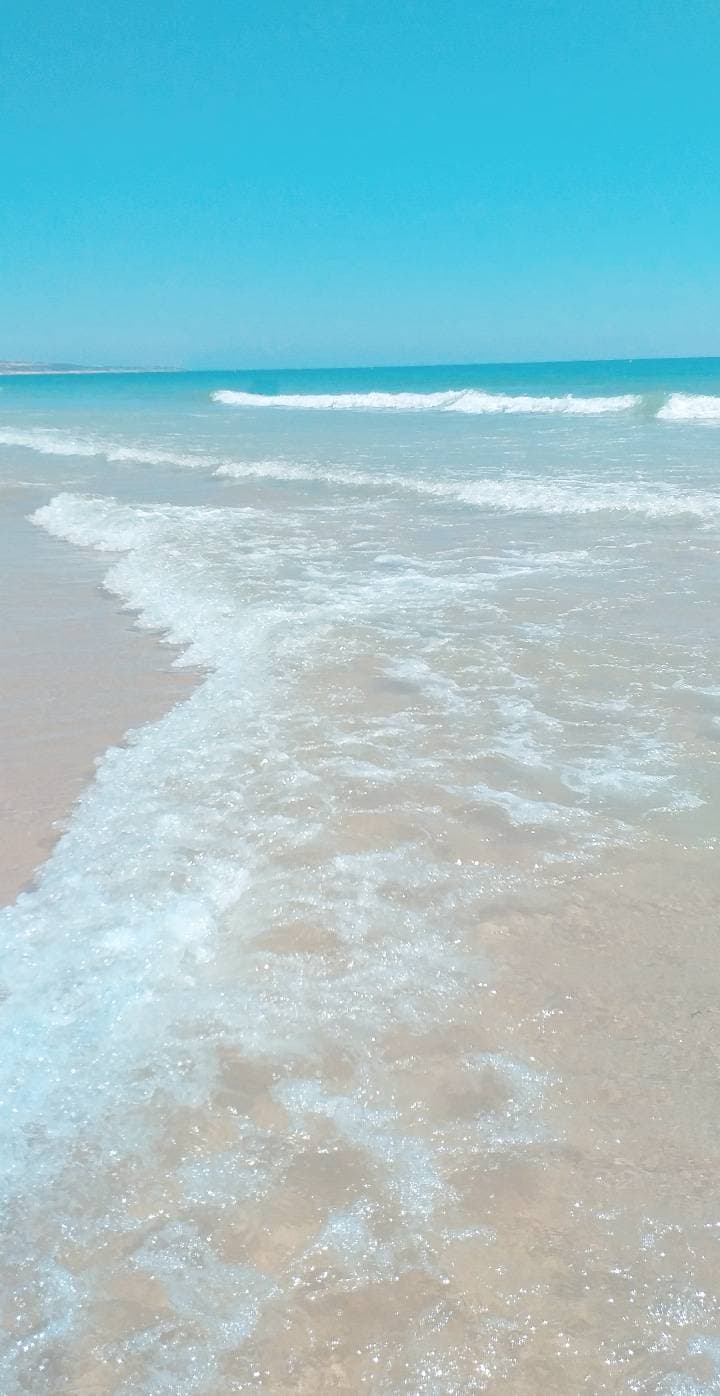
{"x": 23, "y": 368}
{"x": 14, "y": 367}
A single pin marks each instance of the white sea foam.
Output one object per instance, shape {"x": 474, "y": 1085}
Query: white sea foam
{"x": 576, "y": 495}
{"x": 297, "y": 471}
{"x": 511, "y": 493}
{"x": 49, "y": 441}
{"x": 467, "y": 400}
{"x": 571, "y": 494}
{"x": 690, "y": 407}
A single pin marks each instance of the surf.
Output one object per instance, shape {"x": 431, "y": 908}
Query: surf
{"x": 465, "y": 400}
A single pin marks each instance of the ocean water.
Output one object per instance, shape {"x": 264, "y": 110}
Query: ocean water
{"x": 358, "y": 1033}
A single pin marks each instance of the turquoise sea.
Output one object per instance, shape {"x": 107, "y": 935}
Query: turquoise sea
{"x": 358, "y": 1030}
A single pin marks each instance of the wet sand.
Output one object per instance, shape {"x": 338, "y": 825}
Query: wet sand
{"x": 584, "y": 1250}
{"x": 77, "y": 674}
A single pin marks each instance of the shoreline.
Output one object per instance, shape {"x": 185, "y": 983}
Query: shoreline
{"x": 79, "y": 675}
{"x": 76, "y": 372}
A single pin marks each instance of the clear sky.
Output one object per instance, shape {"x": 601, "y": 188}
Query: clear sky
{"x": 251, "y": 182}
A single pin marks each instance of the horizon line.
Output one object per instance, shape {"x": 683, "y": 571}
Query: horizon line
{"x": 19, "y": 368}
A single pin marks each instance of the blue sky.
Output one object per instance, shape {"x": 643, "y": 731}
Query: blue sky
{"x": 278, "y": 183}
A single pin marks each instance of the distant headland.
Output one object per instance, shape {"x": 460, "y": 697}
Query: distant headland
{"x": 8, "y": 366}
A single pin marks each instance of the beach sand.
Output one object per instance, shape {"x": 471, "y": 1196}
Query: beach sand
{"x": 77, "y": 675}
{"x": 562, "y": 1251}
{"x": 582, "y": 1253}
{"x": 557, "y": 1247}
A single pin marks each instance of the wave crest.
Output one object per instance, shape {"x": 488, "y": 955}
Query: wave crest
{"x": 690, "y": 407}
{"x": 466, "y": 400}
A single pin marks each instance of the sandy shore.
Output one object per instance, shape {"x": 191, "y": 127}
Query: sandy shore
{"x": 77, "y": 674}
{"x": 577, "y": 1241}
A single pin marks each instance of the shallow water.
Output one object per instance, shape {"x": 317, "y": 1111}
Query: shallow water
{"x": 76, "y": 675}
{"x": 359, "y": 1032}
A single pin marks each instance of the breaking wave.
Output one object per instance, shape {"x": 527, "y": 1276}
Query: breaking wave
{"x": 690, "y": 407}
{"x": 467, "y": 400}
{"x": 678, "y": 407}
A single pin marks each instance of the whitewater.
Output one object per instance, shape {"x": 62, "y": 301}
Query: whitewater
{"x": 358, "y": 1028}
{"x": 677, "y": 407}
